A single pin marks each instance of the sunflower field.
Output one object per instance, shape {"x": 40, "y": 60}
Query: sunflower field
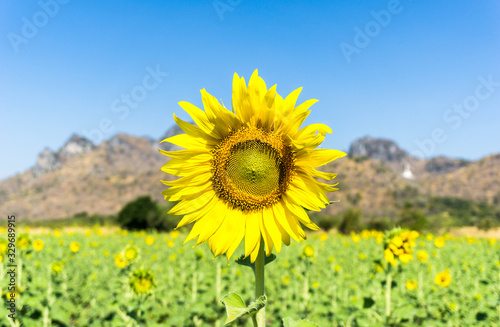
{"x": 112, "y": 277}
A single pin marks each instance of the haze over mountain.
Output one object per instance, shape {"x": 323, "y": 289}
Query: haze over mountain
{"x": 82, "y": 177}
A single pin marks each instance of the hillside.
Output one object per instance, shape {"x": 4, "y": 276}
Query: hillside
{"x": 376, "y": 177}
{"x": 100, "y": 179}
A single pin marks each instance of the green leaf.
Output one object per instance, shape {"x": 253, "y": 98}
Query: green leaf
{"x": 368, "y": 302}
{"x": 270, "y": 259}
{"x": 246, "y": 261}
{"x": 480, "y": 316}
{"x": 290, "y": 322}
{"x": 236, "y": 308}
{"x": 393, "y": 284}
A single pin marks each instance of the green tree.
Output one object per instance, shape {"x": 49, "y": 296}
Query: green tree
{"x": 144, "y": 213}
{"x": 139, "y": 214}
{"x": 351, "y": 221}
{"x": 412, "y": 218}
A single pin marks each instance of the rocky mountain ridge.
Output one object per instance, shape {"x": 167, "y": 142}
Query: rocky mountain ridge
{"x": 48, "y": 160}
{"x": 390, "y": 153}
{"x": 83, "y": 177}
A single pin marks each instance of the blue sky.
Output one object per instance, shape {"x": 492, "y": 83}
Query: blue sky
{"x": 423, "y": 73}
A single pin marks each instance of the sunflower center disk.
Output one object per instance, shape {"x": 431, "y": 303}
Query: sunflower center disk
{"x": 252, "y": 168}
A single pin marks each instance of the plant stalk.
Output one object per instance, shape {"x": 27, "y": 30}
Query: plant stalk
{"x": 260, "y": 317}
{"x": 388, "y": 285}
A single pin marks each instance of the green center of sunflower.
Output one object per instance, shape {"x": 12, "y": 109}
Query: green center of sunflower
{"x": 252, "y": 168}
{"x": 255, "y": 168}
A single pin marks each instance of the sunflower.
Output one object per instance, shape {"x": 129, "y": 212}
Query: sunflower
{"x": 142, "y": 281}
{"x": 23, "y": 241}
{"x": 439, "y": 242}
{"x": 150, "y": 240}
{"x": 57, "y": 267}
{"x": 74, "y": 247}
{"x": 248, "y": 173}
{"x": 411, "y": 285}
{"x": 398, "y": 245}
{"x": 308, "y": 251}
{"x": 38, "y": 245}
{"x": 120, "y": 261}
{"x": 443, "y": 278}
{"x": 3, "y": 245}
{"x": 131, "y": 253}
{"x": 422, "y": 256}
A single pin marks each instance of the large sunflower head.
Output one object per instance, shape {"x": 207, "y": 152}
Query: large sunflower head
{"x": 248, "y": 173}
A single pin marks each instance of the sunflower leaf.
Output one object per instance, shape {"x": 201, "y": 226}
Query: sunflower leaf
{"x": 246, "y": 261}
{"x": 270, "y": 259}
{"x": 289, "y": 322}
{"x": 236, "y": 308}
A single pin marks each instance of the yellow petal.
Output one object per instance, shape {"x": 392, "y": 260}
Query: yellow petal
{"x": 309, "y": 130}
{"x": 304, "y": 199}
{"x": 271, "y": 228}
{"x": 301, "y": 215}
{"x": 319, "y": 157}
{"x": 304, "y": 106}
{"x": 241, "y": 100}
{"x": 193, "y": 154}
{"x": 267, "y": 109}
{"x": 316, "y": 173}
{"x": 252, "y": 231}
{"x": 193, "y": 130}
{"x": 186, "y": 170}
{"x": 309, "y": 185}
{"x": 293, "y": 222}
{"x": 210, "y": 223}
{"x": 321, "y": 174}
{"x": 256, "y": 93}
{"x": 200, "y": 118}
{"x": 191, "y": 180}
{"x": 285, "y": 237}
{"x": 221, "y": 241}
{"x": 201, "y": 163}
{"x": 224, "y": 120}
{"x": 280, "y": 215}
{"x": 189, "y": 142}
{"x": 176, "y": 193}
{"x": 255, "y": 252}
{"x": 238, "y": 235}
{"x": 268, "y": 242}
{"x": 292, "y": 124}
{"x": 188, "y": 206}
{"x": 290, "y": 100}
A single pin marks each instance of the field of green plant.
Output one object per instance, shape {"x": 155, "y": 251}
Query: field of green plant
{"x": 111, "y": 277}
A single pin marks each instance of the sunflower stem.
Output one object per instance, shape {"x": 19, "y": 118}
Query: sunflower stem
{"x": 388, "y": 285}
{"x": 260, "y": 262}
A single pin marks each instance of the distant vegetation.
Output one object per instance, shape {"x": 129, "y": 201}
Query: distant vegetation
{"x": 415, "y": 212}
{"x": 78, "y": 220}
{"x": 144, "y": 213}
{"x": 140, "y": 214}
{"x": 418, "y": 213}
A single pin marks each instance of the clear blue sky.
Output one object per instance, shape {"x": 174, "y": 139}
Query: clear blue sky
{"x": 64, "y": 70}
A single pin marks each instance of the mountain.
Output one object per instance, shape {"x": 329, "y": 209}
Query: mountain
{"x": 376, "y": 176}
{"x": 381, "y": 149}
{"x": 81, "y": 177}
